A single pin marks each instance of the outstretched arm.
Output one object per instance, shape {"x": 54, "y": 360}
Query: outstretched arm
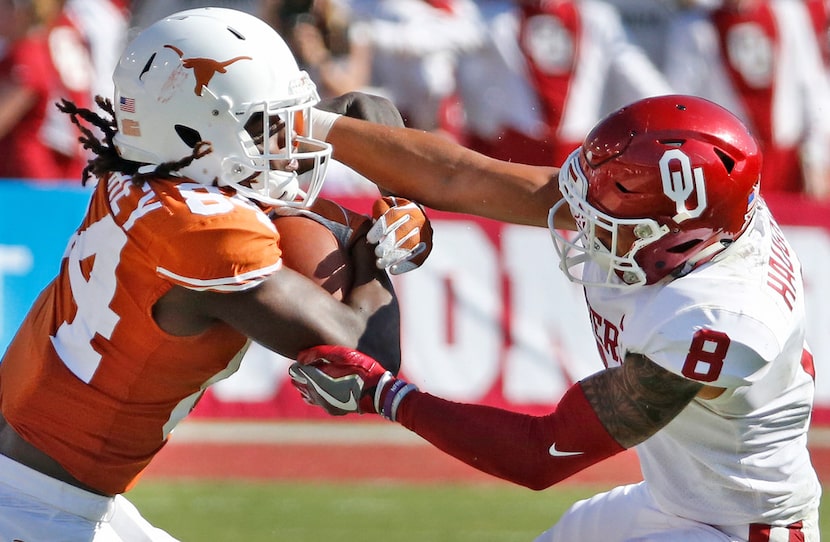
{"x": 439, "y": 173}
{"x": 402, "y": 231}
{"x": 598, "y": 417}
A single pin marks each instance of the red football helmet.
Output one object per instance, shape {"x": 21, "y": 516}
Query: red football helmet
{"x": 680, "y": 172}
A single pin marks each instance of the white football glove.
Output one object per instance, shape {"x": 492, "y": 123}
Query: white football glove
{"x": 402, "y": 232}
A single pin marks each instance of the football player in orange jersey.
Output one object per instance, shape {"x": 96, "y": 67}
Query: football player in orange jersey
{"x": 174, "y": 270}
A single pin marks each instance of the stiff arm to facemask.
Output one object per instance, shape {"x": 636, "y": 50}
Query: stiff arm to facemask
{"x": 402, "y": 230}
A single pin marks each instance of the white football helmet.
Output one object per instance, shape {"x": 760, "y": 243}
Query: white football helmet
{"x": 224, "y": 77}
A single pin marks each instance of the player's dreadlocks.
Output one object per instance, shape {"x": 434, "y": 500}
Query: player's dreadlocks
{"x": 107, "y": 160}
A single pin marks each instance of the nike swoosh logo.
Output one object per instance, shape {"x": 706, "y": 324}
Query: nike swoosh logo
{"x": 350, "y": 404}
{"x": 558, "y": 453}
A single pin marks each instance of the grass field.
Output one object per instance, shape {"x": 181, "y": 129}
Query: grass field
{"x": 354, "y": 512}
{"x": 315, "y": 512}
{"x": 354, "y": 483}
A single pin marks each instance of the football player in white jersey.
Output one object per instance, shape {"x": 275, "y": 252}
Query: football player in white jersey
{"x": 697, "y": 303}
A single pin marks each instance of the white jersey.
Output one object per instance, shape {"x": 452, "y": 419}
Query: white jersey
{"x": 737, "y": 322}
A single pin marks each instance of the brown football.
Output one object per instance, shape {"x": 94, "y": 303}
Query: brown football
{"x": 312, "y": 249}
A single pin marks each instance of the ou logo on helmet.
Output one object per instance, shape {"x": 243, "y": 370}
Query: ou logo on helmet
{"x": 680, "y": 182}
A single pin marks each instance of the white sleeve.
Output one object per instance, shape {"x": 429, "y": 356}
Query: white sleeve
{"x": 713, "y": 346}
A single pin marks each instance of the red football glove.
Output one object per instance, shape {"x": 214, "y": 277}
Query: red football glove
{"x": 402, "y": 232}
{"x": 342, "y": 381}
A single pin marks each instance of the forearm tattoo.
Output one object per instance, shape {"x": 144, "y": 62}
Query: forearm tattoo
{"x": 638, "y": 399}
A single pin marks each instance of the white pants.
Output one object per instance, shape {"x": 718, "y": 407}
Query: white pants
{"x": 37, "y": 508}
{"x": 629, "y": 514}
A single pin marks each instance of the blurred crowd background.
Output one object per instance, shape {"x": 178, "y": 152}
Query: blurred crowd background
{"x": 522, "y": 80}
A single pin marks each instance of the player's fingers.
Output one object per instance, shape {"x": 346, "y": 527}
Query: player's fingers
{"x": 409, "y": 262}
{"x": 402, "y": 241}
{"x": 377, "y": 231}
{"x": 382, "y": 229}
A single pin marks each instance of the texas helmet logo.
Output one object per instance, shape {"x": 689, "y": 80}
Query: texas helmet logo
{"x": 205, "y": 68}
{"x": 683, "y": 184}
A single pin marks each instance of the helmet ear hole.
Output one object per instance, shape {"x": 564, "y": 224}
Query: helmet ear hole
{"x": 190, "y": 136}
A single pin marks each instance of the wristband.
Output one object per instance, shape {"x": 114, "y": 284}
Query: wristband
{"x": 393, "y": 397}
{"x": 385, "y": 379}
{"x": 393, "y": 412}
{"x": 321, "y": 123}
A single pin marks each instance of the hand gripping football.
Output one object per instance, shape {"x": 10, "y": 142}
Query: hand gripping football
{"x": 402, "y": 232}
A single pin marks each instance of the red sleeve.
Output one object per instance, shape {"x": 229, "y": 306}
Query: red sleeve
{"x": 533, "y": 451}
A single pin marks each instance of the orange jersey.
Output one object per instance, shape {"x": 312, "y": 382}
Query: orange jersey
{"x": 90, "y": 379}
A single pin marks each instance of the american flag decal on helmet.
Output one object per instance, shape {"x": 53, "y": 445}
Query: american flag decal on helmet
{"x": 126, "y": 105}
